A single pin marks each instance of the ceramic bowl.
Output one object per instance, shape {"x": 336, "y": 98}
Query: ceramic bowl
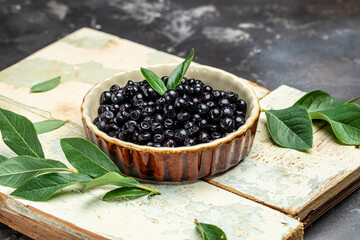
{"x": 178, "y": 164}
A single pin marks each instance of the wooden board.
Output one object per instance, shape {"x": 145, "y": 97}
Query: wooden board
{"x": 302, "y": 184}
{"x": 83, "y": 58}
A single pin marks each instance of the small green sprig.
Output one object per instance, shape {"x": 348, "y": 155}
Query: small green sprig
{"x": 38, "y": 179}
{"x": 174, "y": 79}
{"x": 292, "y": 128}
{"x": 46, "y": 85}
{"x": 209, "y": 231}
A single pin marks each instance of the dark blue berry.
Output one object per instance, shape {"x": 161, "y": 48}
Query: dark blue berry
{"x": 214, "y": 127}
{"x": 180, "y": 103}
{"x": 208, "y": 89}
{"x": 115, "y": 108}
{"x": 105, "y": 98}
{"x": 144, "y": 127}
{"x": 168, "y": 133}
{"x": 165, "y": 80}
{"x": 103, "y": 108}
{"x": 241, "y": 105}
{"x": 215, "y": 135}
{"x": 196, "y": 118}
{"x": 183, "y": 116}
{"x": 203, "y": 124}
{"x": 180, "y": 89}
{"x": 135, "y": 114}
{"x": 168, "y": 123}
{"x": 239, "y": 121}
{"x": 191, "y": 127}
{"x": 180, "y": 135}
{"x": 147, "y": 111}
{"x": 169, "y": 111}
{"x": 144, "y": 137}
{"x": 203, "y": 137}
{"x": 108, "y": 115}
{"x": 205, "y": 97}
{"x": 215, "y": 114}
{"x": 170, "y": 96}
{"x": 158, "y": 118}
{"x": 169, "y": 143}
{"x": 211, "y": 104}
{"x": 102, "y": 126}
{"x": 156, "y": 127}
{"x": 240, "y": 113}
{"x": 189, "y": 142}
{"x": 216, "y": 94}
{"x": 224, "y": 102}
{"x": 158, "y": 138}
{"x": 227, "y": 112}
{"x": 227, "y": 124}
{"x": 114, "y": 88}
{"x": 203, "y": 109}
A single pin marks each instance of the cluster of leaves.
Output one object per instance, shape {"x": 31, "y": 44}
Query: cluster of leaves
{"x": 292, "y": 127}
{"x": 174, "y": 79}
{"x": 37, "y": 178}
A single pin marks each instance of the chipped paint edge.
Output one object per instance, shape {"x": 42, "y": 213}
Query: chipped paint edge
{"x": 38, "y": 224}
{"x": 327, "y": 195}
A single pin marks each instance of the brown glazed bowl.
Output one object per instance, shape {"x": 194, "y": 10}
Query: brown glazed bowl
{"x": 178, "y": 164}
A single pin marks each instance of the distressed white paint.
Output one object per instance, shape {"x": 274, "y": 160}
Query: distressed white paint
{"x": 168, "y": 216}
{"x": 291, "y": 179}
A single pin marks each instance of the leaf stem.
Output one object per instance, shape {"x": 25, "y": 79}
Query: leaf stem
{"x": 153, "y": 191}
{"x": 262, "y": 110}
{"x": 353, "y": 100}
{"x": 72, "y": 171}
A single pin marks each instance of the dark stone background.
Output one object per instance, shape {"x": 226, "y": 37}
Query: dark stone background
{"x": 307, "y": 44}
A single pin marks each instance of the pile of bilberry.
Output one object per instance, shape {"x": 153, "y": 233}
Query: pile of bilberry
{"x": 191, "y": 114}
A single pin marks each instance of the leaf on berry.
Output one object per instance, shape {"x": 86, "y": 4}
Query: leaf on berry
{"x": 48, "y": 125}
{"x": 209, "y": 231}
{"x": 156, "y": 83}
{"x": 179, "y": 72}
{"x": 19, "y": 134}
{"x": 46, "y": 86}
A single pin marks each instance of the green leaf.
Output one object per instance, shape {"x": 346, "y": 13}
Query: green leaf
{"x": 86, "y": 157}
{"x": 156, "y": 83}
{"x": 290, "y": 127}
{"x": 17, "y": 170}
{"x": 179, "y": 72}
{"x": 19, "y": 134}
{"x": 209, "y": 231}
{"x": 48, "y": 125}
{"x": 113, "y": 178}
{"x": 46, "y": 86}
{"x": 318, "y": 100}
{"x": 2, "y": 158}
{"x": 125, "y": 192}
{"x": 345, "y": 122}
{"x": 41, "y": 188}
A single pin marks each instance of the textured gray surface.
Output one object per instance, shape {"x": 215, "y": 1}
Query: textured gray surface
{"x": 305, "y": 44}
